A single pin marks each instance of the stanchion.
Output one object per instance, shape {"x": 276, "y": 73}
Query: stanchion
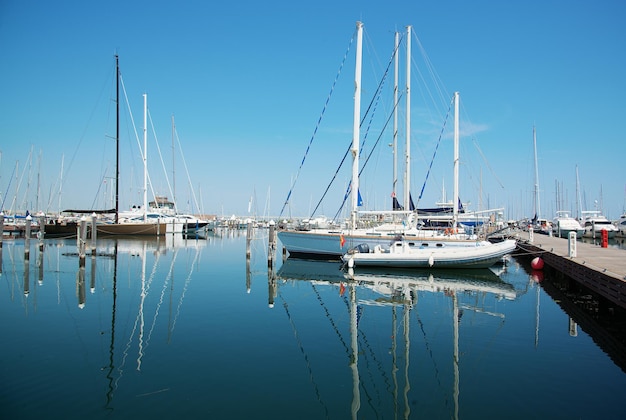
{"x": 572, "y": 244}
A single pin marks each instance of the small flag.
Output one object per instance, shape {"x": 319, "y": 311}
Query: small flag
{"x": 359, "y": 199}
{"x": 342, "y": 240}
{"x": 342, "y": 289}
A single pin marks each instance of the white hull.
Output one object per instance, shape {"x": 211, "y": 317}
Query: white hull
{"x": 621, "y": 226}
{"x": 597, "y": 232}
{"x": 595, "y": 223}
{"x": 563, "y": 224}
{"x": 405, "y": 254}
{"x": 327, "y": 244}
{"x": 564, "y": 232}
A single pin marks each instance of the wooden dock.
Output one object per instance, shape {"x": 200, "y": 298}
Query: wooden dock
{"x": 601, "y": 270}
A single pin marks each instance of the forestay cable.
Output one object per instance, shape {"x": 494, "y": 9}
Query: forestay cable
{"x": 317, "y": 125}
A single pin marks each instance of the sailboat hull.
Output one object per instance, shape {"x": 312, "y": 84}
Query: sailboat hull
{"x": 132, "y": 229}
{"x": 407, "y": 255}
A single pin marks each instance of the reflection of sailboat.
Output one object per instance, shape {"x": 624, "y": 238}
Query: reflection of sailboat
{"x": 148, "y": 294}
{"x": 393, "y": 290}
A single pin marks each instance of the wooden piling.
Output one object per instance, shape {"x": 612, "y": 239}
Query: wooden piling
{"x": 82, "y": 242}
{"x": 42, "y": 232}
{"x": 271, "y": 245}
{"x": 27, "y": 239}
{"x": 94, "y": 234}
{"x": 1, "y": 228}
{"x": 248, "y": 240}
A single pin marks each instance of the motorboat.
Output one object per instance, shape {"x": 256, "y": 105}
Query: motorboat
{"x": 595, "y": 222}
{"x": 563, "y": 224}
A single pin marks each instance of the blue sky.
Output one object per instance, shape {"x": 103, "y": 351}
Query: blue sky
{"x": 247, "y": 82}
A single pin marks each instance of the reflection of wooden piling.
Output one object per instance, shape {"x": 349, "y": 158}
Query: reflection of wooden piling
{"x": 40, "y": 267}
{"x": 80, "y": 287}
{"x": 1, "y": 228}
{"x": 271, "y": 287}
{"x": 27, "y": 239}
{"x": 248, "y": 276}
{"x": 26, "y": 278}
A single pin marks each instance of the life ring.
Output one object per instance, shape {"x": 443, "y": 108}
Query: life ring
{"x": 448, "y": 231}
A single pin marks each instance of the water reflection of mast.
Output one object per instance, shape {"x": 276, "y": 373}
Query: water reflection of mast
{"x": 354, "y": 357}
{"x": 456, "y": 354}
{"x": 112, "y": 346}
{"x": 407, "y": 345}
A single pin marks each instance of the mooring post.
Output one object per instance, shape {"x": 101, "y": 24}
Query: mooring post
{"x": 82, "y": 240}
{"x": 531, "y": 234}
{"x": 572, "y": 244}
{"x": 271, "y": 252}
{"x": 1, "y": 227}
{"x": 27, "y": 238}
{"x": 94, "y": 234}
{"x": 42, "y": 231}
{"x": 248, "y": 239}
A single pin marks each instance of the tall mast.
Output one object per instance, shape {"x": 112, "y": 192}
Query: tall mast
{"x": 407, "y": 167}
{"x": 173, "y": 166}
{"x": 356, "y": 121}
{"x": 145, "y": 157}
{"x": 395, "y": 122}
{"x": 61, "y": 182}
{"x": 455, "y": 192}
{"x": 117, "y": 138}
{"x": 537, "y": 205}
{"x": 579, "y": 205}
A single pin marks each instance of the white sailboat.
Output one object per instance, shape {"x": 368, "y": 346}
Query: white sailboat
{"x": 332, "y": 242}
{"x": 443, "y": 253}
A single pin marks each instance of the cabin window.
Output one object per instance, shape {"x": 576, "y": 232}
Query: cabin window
{"x": 439, "y": 245}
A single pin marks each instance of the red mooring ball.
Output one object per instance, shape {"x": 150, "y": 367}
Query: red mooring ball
{"x": 536, "y": 263}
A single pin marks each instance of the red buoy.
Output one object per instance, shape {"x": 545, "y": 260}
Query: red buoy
{"x": 536, "y": 263}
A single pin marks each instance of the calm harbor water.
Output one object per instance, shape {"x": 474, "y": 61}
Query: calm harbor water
{"x": 192, "y": 329}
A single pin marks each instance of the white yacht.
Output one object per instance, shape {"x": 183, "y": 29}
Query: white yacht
{"x": 563, "y": 224}
{"x": 595, "y": 222}
{"x": 621, "y": 226}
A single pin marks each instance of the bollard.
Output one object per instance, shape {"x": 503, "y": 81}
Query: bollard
{"x": 605, "y": 238}
{"x": 531, "y": 234}
{"x": 571, "y": 241}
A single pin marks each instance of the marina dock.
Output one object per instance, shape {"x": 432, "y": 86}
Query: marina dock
{"x": 601, "y": 270}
